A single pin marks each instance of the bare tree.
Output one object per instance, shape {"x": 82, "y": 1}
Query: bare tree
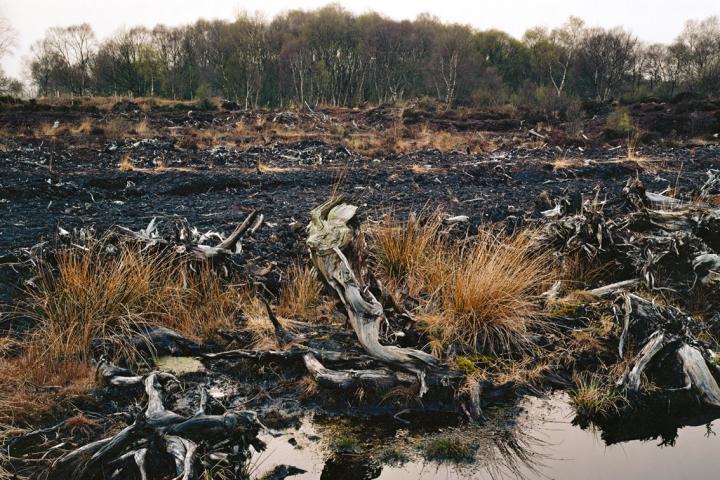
{"x": 451, "y": 46}
{"x": 75, "y": 48}
{"x": 697, "y": 50}
{"x": 8, "y": 37}
{"x": 605, "y": 58}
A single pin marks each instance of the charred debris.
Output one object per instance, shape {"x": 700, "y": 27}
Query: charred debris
{"x": 644, "y": 328}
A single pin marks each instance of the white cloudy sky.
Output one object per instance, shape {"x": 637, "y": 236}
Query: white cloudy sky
{"x": 650, "y": 20}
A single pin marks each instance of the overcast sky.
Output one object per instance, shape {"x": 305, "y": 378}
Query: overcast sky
{"x": 650, "y": 20}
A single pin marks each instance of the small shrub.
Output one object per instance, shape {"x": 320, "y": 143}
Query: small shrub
{"x": 346, "y": 443}
{"x": 619, "y": 123}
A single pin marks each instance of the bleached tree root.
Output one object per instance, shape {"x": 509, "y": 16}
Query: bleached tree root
{"x": 159, "y": 434}
{"x": 328, "y": 236}
{"x": 670, "y": 339}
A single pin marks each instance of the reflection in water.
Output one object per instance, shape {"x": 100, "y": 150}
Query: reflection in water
{"x": 540, "y": 442}
{"x": 350, "y": 467}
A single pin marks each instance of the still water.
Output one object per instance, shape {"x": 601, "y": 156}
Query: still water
{"x": 543, "y": 444}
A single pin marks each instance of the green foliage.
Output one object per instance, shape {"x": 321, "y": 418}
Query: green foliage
{"x": 465, "y": 364}
{"x": 346, "y": 443}
{"x": 594, "y": 396}
{"x": 619, "y": 122}
{"x": 203, "y": 99}
{"x": 331, "y": 56}
{"x": 450, "y": 447}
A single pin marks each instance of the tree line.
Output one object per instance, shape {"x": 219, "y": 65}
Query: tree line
{"x": 331, "y": 56}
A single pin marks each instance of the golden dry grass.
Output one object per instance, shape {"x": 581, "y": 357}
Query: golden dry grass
{"x": 565, "y": 163}
{"x": 126, "y": 163}
{"x": 403, "y": 140}
{"x": 528, "y": 372}
{"x": 85, "y": 127}
{"x": 300, "y": 293}
{"x": 401, "y": 249}
{"x": 91, "y": 295}
{"x": 486, "y": 294}
{"x": 481, "y": 295}
{"x": 32, "y": 386}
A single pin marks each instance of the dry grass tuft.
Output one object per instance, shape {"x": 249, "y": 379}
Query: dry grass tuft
{"x": 300, "y": 293}
{"x": 126, "y": 163}
{"x": 400, "y": 139}
{"x": 526, "y": 372}
{"x": 594, "y": 397}
{"x": 480, "y": 295}
{"x": 142, "y": 128}
{"x": 565, "y": 163}
{"x": 84, "y": 128}
{"x": 402, "y": 249}
{"x": 92, "y": 302}
{"x": 93, "y": 295}
{"x": 486, "y": 294}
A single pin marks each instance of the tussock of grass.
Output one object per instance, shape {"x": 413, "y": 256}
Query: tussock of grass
{"x": 84, "y": 128}
{"x": 89, "y": 295}
{"x": 300, "y": 293}
{"x": 488, "y": 293}
{"x": 480, "y": 296}
{"x": 566, "y": 163}
{"x": 402, "y": 248}
{"x": 526, "y": 372}
{"x": 593, "y": 397}
{"x": 347, "y": 443}
{"x": 93, "y": 295}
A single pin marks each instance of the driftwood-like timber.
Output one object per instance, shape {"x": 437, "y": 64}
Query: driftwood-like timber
{"x": 159, "y": 434}
{"x": 329, "y": 237}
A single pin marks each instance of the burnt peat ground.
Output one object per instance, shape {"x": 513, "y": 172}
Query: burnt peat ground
{"x": 46, "y": 185}
{"x": 53, "y": 182}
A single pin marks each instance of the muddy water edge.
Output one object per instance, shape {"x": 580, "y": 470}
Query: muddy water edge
{"x": 536, "y": 439}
